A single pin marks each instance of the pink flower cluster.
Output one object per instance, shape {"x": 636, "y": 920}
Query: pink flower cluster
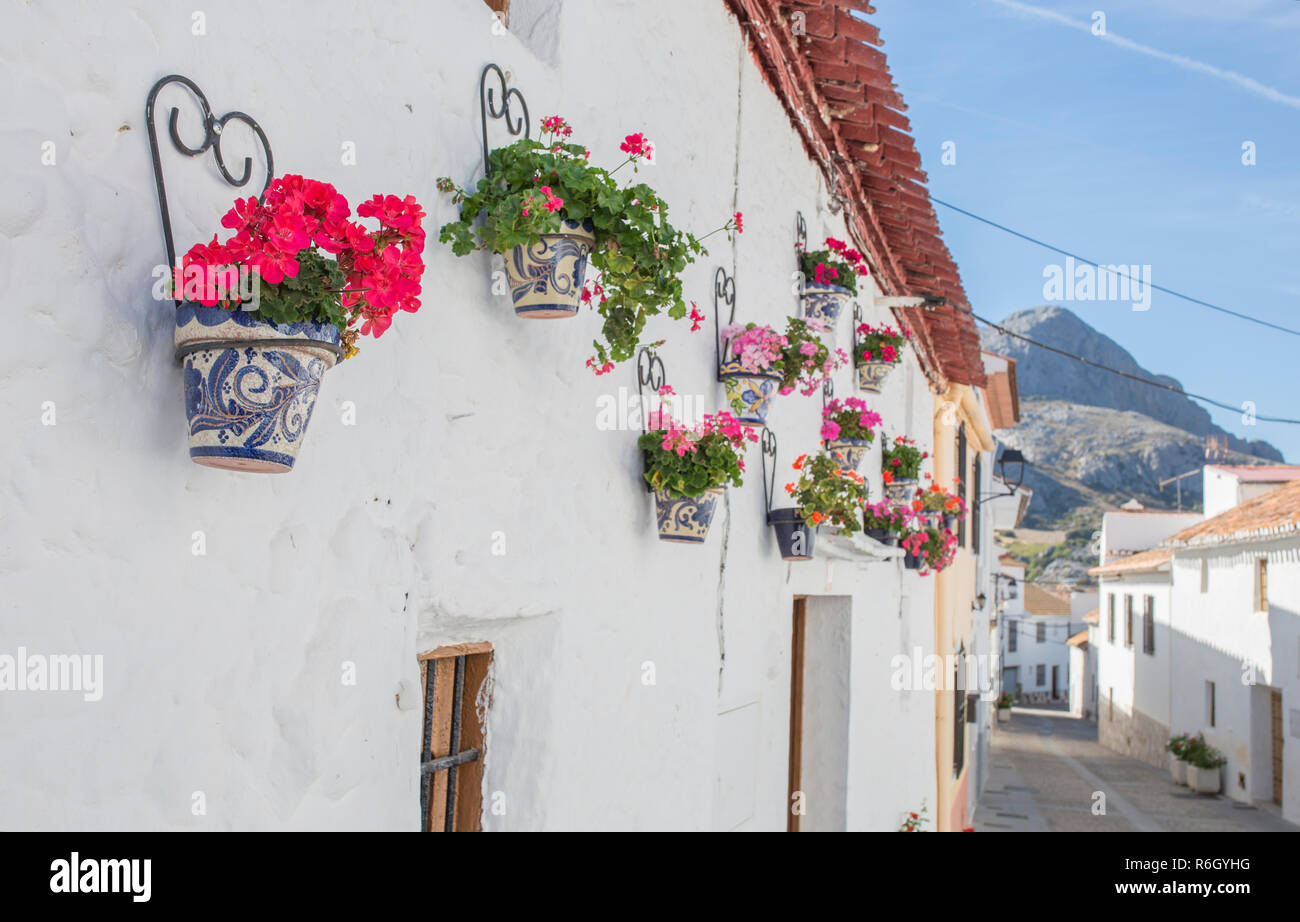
{"x": 849, "y": 412}
{"x": 638, "y": 146}
{"x": 382, "y": 268}
{"x": 851, "y": 256}
{"x": 756, "y": 347}
{"x": 682, "y": 440}
{"x": 551, "y": 201}
{"x": 557, "y": 126}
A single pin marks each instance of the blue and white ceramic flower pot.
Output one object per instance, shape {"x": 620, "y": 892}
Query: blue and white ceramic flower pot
{"x": 546, "y": 278}
{"x": 794, "y": 536}
{"x": 824, "y": 302}
{"x": 749, "y": 394}
{"x": 850, "y": 452}
{"x": 900, "y": 491}
{"x": 685, "y": 520}
{"x": 250, "y": 386}
{"x": 871, "y": 375}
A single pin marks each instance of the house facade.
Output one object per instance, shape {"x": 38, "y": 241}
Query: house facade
{"x": 464, "y": 564}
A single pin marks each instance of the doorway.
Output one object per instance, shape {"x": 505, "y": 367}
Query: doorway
{"x": 1276, "y": 715}
{"x": 817, "y": 795}
{"x": 1056, "y": 671}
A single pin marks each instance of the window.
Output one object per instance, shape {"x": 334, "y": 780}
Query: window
{"x": 958, "y": 716}
{"x": 1040, "y": 676}
{"x": 1149, "y": 624}
{"x": 1128, "y": 620}
{"x": 1205, "y": 574}
{"x": 451, "y": 756}
{"x": 975, "y": 508}
{"x": 961, "y": 482}
{"x": 1013, "y": 631}
{"x": 1209, "y": 703}
{"x": 1110, "y": 617}
{"x": 1261, "y": 584}
{"x": 1040, "y": 632}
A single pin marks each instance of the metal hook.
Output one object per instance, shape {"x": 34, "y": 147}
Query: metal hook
{"x": 800, "y": 232}
{"x": 767, "y": 447}
{"x": 724, "y": 292}
{"x": 828, "y": 394}
{"x": 212, "y": 135}
{"x": 857, "y": 322}
{"x": 649, "y": 373}
{"x": 517, "y": 125}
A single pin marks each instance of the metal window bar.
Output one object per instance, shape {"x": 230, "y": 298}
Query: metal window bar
{"x": 958, "y": 718}
{"x": 430, "y": 766}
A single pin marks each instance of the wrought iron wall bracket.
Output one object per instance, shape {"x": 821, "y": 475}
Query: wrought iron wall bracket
{"x": 828, "y": 394}
{"x": 212, "y": 135}
{"x": 517, "y": 123}
{"x": 857, "y": 322}
{"x": 767, "y": 449}
{"x": 800, "y": 232}
{"x": 724, "y": 293}
{"x": 650, "y": 374}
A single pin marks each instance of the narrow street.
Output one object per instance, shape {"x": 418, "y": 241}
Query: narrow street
{"x": 1046, "y": 770}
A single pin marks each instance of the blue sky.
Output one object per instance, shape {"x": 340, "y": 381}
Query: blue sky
{"x": 1124, "y": 149}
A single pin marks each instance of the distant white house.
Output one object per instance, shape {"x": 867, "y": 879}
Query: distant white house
{"x": 1201, "y": 633}
{"x": 1035, "y": 654}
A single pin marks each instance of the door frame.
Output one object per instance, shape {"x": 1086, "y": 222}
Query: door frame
{"x": 798, "y": 623}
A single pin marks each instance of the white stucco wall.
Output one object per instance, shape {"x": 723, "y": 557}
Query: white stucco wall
{"x": 1221, "y": 638}
{"x": 1126, "y": 532}
{"x": 1139, "y": 680}
{"x": 222, "y": 671}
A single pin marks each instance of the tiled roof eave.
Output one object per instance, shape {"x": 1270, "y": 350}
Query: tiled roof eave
{"x": 1238, "y": 537}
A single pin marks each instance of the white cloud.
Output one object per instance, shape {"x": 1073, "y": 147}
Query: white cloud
{"x": 1228, "y": 76}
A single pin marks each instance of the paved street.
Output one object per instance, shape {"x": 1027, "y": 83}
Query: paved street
{"x": 1046, "y": 767}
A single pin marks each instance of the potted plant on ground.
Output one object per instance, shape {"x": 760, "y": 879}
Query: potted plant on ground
{"x": 915, "y": 820}
{"x": 900, "y": 466}
{"x": 1203, "y": 764}
{"x": 848, "y": 428}
{"x": 928, "y": 549}
{"x": 689, "y": 468}
{"x": 1177, "y": 749}
{"x": 886, "y": 522}
{"x": 824, "y": 493}
{"x": 266, "y": 313}
{"x": 830, "y": 279}
{"x": 878, "y": 350}
{"x": 1005, "y": 702}
{"x": 757, "y": 362}
{"x": 548, "y": 211}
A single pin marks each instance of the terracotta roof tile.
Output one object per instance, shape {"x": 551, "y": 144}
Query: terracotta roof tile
{"x": 1261, "y": 473}
{"x": 837, "y": 88}
{"x": 1142, "y": 562}
{"x": 1040, "y": 601}
{"x": 1079, "y": 639}
{"x": 1268, "y": 515}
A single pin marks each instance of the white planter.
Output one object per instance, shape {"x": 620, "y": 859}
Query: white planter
{"x": 1177, "y": 769}
{"x": 1004, "y": 715}
{"x": 1203, "y": 780}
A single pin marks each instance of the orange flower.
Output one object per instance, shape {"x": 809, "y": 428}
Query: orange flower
{"x": 789, "y": 488}
{"x": 887, "y": 476}
{"x": 817, "y": 518}
{"x": 916, "y": 505}
{"x": 798, "y": 462}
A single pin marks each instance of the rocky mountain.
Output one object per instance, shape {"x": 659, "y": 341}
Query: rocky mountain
{"x": 1095, "y": 439}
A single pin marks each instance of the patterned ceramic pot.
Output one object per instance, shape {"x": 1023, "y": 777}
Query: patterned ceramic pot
{"x": 900, "y": 490}
{"x": 685, "y": 520}
{"x": 824, "y": 302}
{"x": 250, "y": 386}
{"x": 849, "y": 451}
{"x": 546, "y": 278}
{"x": 754, "y": 391}
{"x": 793, "y": 534}
{"x": 872, "y": 374}
{"x": 1177, "y": 769}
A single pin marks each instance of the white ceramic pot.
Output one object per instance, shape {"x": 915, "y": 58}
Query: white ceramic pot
{"x": 1203, "y": 780}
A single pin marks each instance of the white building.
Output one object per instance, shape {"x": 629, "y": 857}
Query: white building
{"x": 1228, "y": 485}
{"x": 1035, "y": 657}
{"x": 265, "y": 641}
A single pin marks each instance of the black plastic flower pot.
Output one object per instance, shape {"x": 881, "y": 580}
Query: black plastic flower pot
{"x": 950, "y": 521}
{"x": 793, "y": 534}
{"x": 913, "y": 561}
{"x": 883, "y": 536}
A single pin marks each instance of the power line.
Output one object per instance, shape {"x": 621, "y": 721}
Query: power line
{"x": 1123, "y": 374}
{"x": 1096, "y": 265}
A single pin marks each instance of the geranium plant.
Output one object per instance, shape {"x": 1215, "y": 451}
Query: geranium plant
{"x": 835, "y": 264}
{"x": 317, "y": 265}
{"x": 935, "y": 498}
{"x": 1006, "y": 700}
{"x": 934, "y": 546}
{"x": 826, "y": 492}
{"x": 798, "y": 356}
{"x": 849, "y": 419}
{"x": 902, "y": 460}
{"x": 880, "y": 344}
{"x": 915, "y": 820}
{"x": 533, "y": 186}
{"x": 887, "y": 517}
{"x": 687, "y": 462}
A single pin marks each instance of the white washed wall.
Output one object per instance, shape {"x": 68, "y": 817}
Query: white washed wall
{"x": 223, "y": 670}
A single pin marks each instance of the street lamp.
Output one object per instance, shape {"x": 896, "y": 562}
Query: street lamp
{"x": 1011, "y": 471}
